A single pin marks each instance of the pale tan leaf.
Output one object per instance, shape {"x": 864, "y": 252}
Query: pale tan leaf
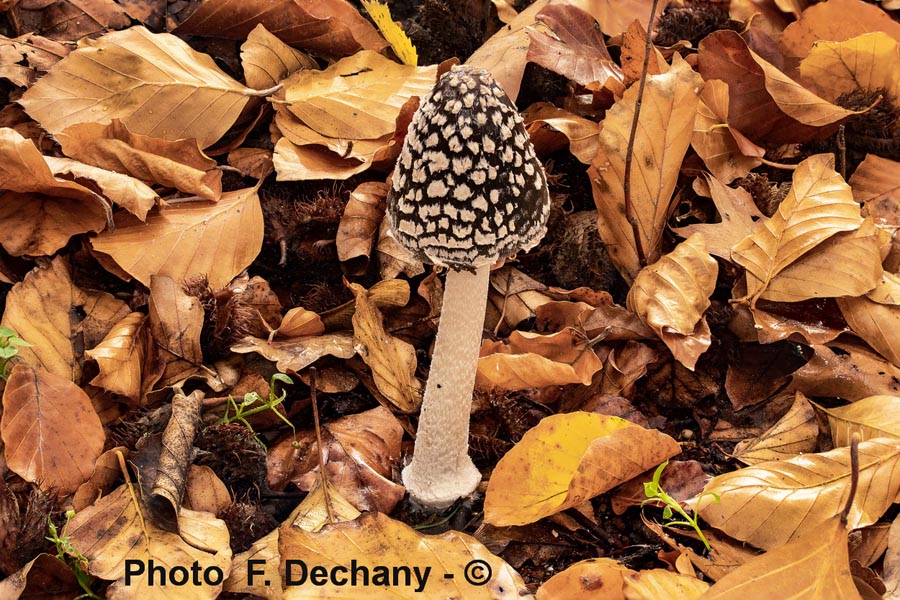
{"x": 113, "y": 531}
{"x": 819, "y": 205}
{"x": 267, "y": 60}
{"x": 153, "y": 82}
{"x": 567, "y": 459}
{"x": 849, "y": 371}
{"x": 836, "y": 20}
{"x": 671, "y": 296}
{"x": 725, "y": 151}
{"x": 887, "y": 290}
{"x": 327, "y": 27}
{"x": 594, "y": 578}
{"x": 52, "y": 434}
{"x": 294, "y": 355}
{"x": 847, "y": 264}
{"x": 774, "y": 502}
{"x": 216, "y": 239}
{"x": 876, "y": 183}
{"x": 375, "y": 539}
{"x": 393, "y": 361}
{"x": 652, "y": 584}
{"x": 740, "y": 216}
{"x": 131, "y": 194}
{"x": 877, "y": 324}
{"x": 663, "y": 135}
{"x": 120, "y": 357}
{"x": 302, "y": 163}
{"x": 176, "y": 321}
{"x": 358, "y": 97}
{"x": 530, "y": 360}
{"x": 176, "y": 164}
{"x": 795, "y": 433}
{"x": 299, "y": 322}
{"x": 815, "y": 566}
{"x": 872, "y": 417}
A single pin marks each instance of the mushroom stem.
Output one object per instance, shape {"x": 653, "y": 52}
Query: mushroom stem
{"x": 441, "y": 470}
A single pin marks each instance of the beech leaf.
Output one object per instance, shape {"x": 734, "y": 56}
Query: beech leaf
{"x": 872, "y": 417}
{"x": 153, "y": 82}
{"x": 795, "y": 433}
{"x": 567, "y": 459}
{"x": 120, "y": 357}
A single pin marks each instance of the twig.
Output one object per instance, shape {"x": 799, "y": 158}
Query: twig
{"x": 626, "y": 186}
{"x": 842, "y": 152}
{"x": 854, "y": 476}
{"x": 326, "y": 493}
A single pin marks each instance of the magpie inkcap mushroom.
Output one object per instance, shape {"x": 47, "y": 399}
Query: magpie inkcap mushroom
{"x": 467, "y": 191}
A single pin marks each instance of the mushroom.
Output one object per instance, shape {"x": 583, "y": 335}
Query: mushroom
{"x": 467, "y": 191}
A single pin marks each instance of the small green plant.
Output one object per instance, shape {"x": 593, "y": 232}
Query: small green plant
{"x": 254, "y": 403}
{"x": 654, "y": 492}
{"x": 9, "y": 348}
{"x": 70, "y": 555}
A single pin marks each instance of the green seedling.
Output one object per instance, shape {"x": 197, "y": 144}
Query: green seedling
{"x": 9, "y": 348}
{"x": 254, "y": 403}
{"x": 654, "y": 492}
{"x": 70, "y": 555}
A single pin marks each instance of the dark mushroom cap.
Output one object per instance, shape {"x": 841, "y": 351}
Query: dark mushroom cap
{"x": 468, "y": 188}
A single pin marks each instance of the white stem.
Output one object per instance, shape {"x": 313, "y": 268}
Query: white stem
{"x": 441, "y": 470}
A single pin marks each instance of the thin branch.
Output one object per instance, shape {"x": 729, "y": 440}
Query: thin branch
{"x": 854, "y": 476}
{"x": 629, "y": 207}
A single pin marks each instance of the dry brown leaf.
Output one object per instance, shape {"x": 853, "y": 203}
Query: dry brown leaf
{"x": 634, "y": 41}
{"x": 652, "y": 584}
{"x": 39, "y": 308}
{"x": 46, "y": 577}
{"x": 176, "y": 164}
{"x": 38, "y": 52}
{"x": 570, "y": 43}
{"x": 876, "y": 183}
{"x": 120, "y": 357}
{"x": 359, "y": 225}
{"x": 358, "y": 97}
{"x": 530, "y": 360}
{"x": 671, "y": 296}
{"x": 387, "y": 293}
{"x": 819, "y": 205}
{"x": 299, "y": 322}
{"x": 38, "y": 212}
{"x": 625, "y": 366}
{"x": 724, "y": 150}
{"x": 774, "y": 502}
{"x": 252, "y": 162}
{"x": 360, "y": 452}
{"x": 176, "y": 321}
{"x": 551, "y": 128}
{"x": 871, "y": 417}
{"x": 815, "y": 566}
{"x": 847, "y": 264}
{"x": 594, "y": 578}
{"x": 765, "y": 104}
{"x": 77, "y": 19}
{"x": 327, "y": 27}
{"x": 131, "y": 194}
{"x": 851, "y": 372}
{"x": 875, "y": 323}
{"x": 662, "y": 138}
{"x": 392, "y": 361}
{"x": 113, "y": 531}
{"x": 681, "y": 479}
{"x": 794, "y": 433}
{"x": 375, "y": 539}
{"x": 567, "y": 459}
{"x": 205, "y": 492}
{"x": 295, "y": 354}
{"x": 836, "y": 20}
{"x": 294, "y": 162}
{"x": 51, "y": 433}
{"x": 218, "y": 240}
{"x": 267, "y": 60}
{"x": 740, "y": 216}
{"x": 153, "y": 82}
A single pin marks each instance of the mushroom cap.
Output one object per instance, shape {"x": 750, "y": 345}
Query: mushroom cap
{"x": 468, "y": 188}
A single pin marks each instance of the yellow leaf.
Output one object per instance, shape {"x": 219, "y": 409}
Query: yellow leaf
{"x": 819, "y": 205}
{"x": 392, "y": 32}
{"x": 815, "y": 566}
{"x": 872, "y": 417}
{"x": 671, "y": 295}
{"x": 774, "y": 502}
{"x": 120, "y": 357}
{"x": 375, "y": 540}
{"x": 267, "y": 60}
{"x": 653, "y": 584}
{"x": 794, "y": 433}
{"x": 568, "y": 459}
{"x": 878, "y": 324}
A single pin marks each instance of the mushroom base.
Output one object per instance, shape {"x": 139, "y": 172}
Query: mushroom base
{"x": 440, "y": 492}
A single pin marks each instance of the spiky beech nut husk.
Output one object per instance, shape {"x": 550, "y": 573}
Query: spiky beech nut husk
{"x": 468, "y": 188}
